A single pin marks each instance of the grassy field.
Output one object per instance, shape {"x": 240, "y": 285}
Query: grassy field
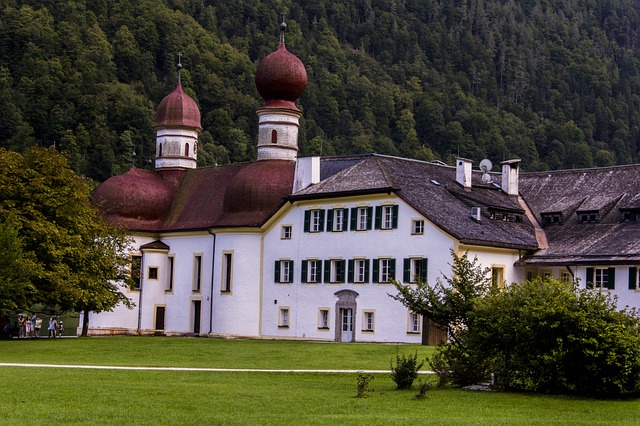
{"x": 45, "y": 396}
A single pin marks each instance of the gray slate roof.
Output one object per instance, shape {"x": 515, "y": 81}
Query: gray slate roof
{"x": 431, "y": 189}
{"x": 607, "y": 190}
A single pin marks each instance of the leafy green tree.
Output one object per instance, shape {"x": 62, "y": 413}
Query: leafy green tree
{"x": 76, "y": 262}
{"x": 15, "y": 287}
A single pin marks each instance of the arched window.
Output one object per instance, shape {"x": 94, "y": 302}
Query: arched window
{"x": 159, "y": 150}
{"x": 186, "y": 150}
{"x": 274, "y": 136}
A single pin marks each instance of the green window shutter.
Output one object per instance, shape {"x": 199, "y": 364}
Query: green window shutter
{"x": 291, "y": 271}
{"x": 394, "y": 218}
{"x": 611, "y": 279}
{"x": 424, "y": 269}
{"x": 378, "y": 221}
{"x": 350, "y": 274}
{"x": 303, "y": 274}
{"x": 376, "y": 271}
{"x": 307, "y": 220}
{"x": 366, "y": 270}
{"x": 354, "y": 218}
{"x": 392, "y": 269}
{"x": 369, "y": 217}
{"x": 406, "y": 272}
{"x": 343, "y": 264}
{"x": 633, "y": 278}
{"x": 276, "y": 277}
{"x": 589, "y": 277}
{"x": 321, "y": 220}
{"x": 330, "y": 213}
{"x": 327, "y": 271}
{"x": 345, "y": 220}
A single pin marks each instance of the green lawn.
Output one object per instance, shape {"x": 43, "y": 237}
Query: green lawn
{"x": 70, "y": 396}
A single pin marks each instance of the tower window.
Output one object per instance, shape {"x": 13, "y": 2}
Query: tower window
{"x": 274, "y": 136}
{"x": 160, "y": 150}
{"x": 186, "y": 150}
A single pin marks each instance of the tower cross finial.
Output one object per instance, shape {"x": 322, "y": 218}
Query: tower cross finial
{"x": 283, "y": 28}
{"x": 179, "y": 67}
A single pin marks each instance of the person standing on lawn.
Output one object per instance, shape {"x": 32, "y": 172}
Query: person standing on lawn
{"x": 60, "y": 328}
{"x": 53, "y": 325}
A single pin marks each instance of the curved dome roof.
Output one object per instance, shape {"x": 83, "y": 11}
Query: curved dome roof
{"x": 178, "y": 109}
{"x": 281, "y": 76}
{"x": 137, "y": 195}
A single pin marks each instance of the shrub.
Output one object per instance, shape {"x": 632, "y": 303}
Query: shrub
{"x": 423, "y": 387}
{"x": 364, "y": 380}
{"x": 405, "y": 371}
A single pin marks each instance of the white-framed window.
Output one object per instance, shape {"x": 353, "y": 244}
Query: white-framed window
{"x": 360, "y": 270}
{"x": 323, "y": 318}
{"x": 601, "y": 278}
{"x": 414, "y": 324}
{"x": 417, "y": 227}
{"x": 311, "y": 270}
{"x": 338, "y": 220}
{"x": 152, "y": 273}
{"x": 314, "y": 220}
{"x": 565, "y": 277}
{"x": 285, "y": 232}
{"x": 368, "y": 318}
{"x": 361, "y": 218}
{"x": 384, "y": 270}
{"x": 334, "y": 271}
{"x": 284, "y": 271}
{"x": 170, "y": 272}
{"x": 497, "y": 276}
{"x": 415, "y": 269}
{"x": 197, "y": 273}
{"x": 283, "y": 317}
{"x": 387, "y": 217}
{"x": 227, "y": 272}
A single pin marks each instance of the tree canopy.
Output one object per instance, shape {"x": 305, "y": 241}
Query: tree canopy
{"x": 553, "y": 83}
{"x": 66, "y": 255}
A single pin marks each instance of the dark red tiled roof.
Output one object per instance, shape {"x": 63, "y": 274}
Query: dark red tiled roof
{"x": 234, "y": 195}
{"x": 178, "y": 109}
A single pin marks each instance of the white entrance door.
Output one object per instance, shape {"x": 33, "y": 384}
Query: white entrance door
{"x": 347, "y": 325}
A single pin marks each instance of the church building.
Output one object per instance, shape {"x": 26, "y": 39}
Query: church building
{"x": 289, "y": 247}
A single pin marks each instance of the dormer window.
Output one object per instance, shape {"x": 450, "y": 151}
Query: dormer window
{"x": 553, "y": 218}
{"x": 629, "y": 215}
{"x": 588, "y": 216}
{"x": 505, "y": 215}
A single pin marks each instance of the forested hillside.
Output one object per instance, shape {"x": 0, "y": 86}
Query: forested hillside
{"x": 556, "y": 83}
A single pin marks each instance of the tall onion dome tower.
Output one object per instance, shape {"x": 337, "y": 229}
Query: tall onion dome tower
{"x": 177, "y": 125}
{"x": 280, "y": 79}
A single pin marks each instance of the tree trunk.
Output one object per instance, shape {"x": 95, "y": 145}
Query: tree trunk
{"x": 85, "y": 323}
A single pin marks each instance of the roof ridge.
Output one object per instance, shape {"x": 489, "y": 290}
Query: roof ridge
{"x": 383, "y": 170}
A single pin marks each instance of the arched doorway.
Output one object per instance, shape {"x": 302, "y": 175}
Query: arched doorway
{"x": 346, "y": 308}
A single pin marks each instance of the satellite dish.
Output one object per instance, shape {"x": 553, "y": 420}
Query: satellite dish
{"x": 485, "y": 166}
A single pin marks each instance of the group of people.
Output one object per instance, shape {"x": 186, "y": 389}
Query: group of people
{"x": 29, "y": 326}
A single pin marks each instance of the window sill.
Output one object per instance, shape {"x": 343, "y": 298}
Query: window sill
{"x": 168, "y": 291}
{"x": 414, "y": 332}
{"x": 225, "y": 291}
{"x": 283, "y": 326}
{"x": 323, "y": 328}
{"x": 368, "y": 331}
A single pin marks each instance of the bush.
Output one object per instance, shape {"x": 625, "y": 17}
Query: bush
{"x": 405, "y": 371}
{"x": 547, "y": 336}
{"x": 364, "y": 380}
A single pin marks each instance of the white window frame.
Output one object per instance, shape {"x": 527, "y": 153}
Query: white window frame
{"x": 285, "y": 232}
{"x": 284, "y": 317}
{"x": 313, "y": 270}
{"x": 338, "y": 220}
{"x": 362, "y": 218}
{"x": 171, "y": 262}
{"x": 601, "y": 278}
{"x": 360, "y": 270}
{"x": 324, "y": 318}
{"x": 387, "y": 217}
{"x": 285, "y": 271}
{"x": 333, "y": 273}
{"x": 385, "y": 270}
{"x": 414, "y": 323}
{"x": 368, "y": 321}
{"x": 314, "y": 221}
{"x": 416, "y": 267}
{"x": 417, "y": 227}
{"x": 226, "y": 281}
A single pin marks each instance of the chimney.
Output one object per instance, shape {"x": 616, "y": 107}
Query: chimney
{"x": 463, "y": 172}
{"x": 307, "y": 173}
{"x": 510, "y": 173}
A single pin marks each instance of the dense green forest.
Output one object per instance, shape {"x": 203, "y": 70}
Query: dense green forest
{"x": 554, "y": 83}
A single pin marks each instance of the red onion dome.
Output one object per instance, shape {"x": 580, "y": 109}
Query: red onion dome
{"x": 178, "y": 109}
{"x": 281, "y": 76}
{"x": 137, "y": 194}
